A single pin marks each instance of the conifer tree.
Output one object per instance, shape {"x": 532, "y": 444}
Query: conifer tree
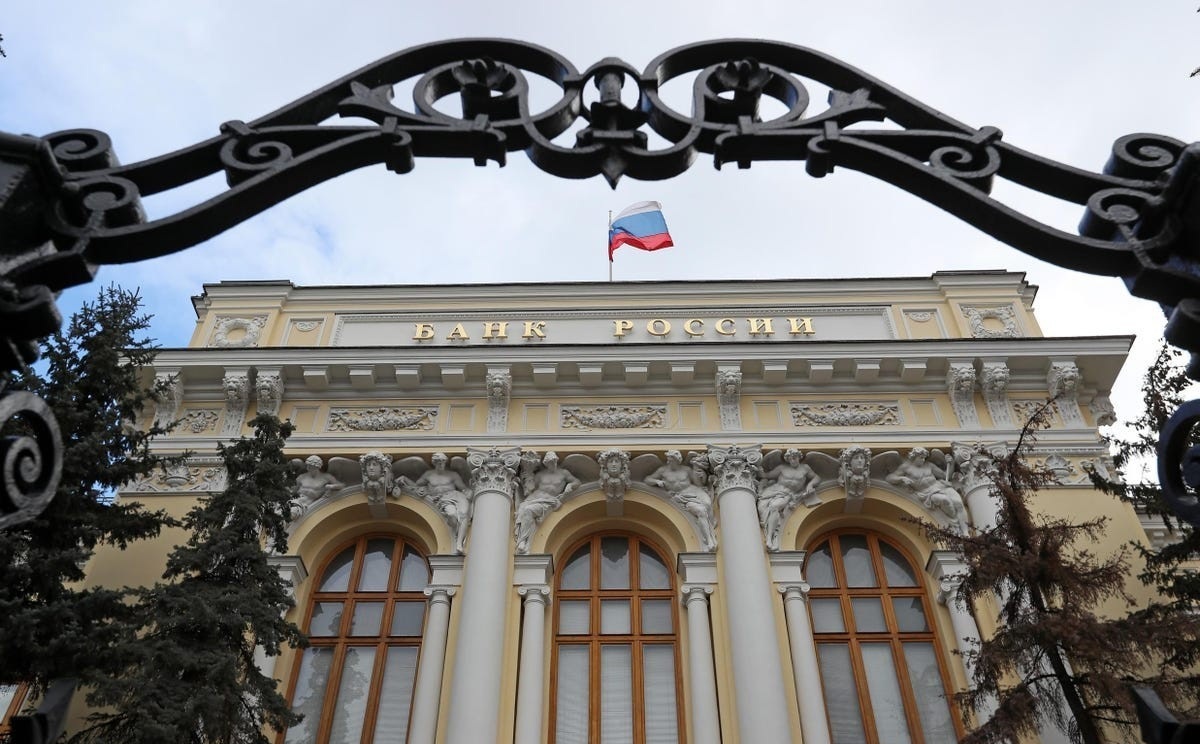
{"x": 194, "y": 678}
{"x": 51, "y": 626}
{"x": 1053, "y": 656}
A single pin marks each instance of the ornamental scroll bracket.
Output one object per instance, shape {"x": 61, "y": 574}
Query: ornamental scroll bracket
{"x": 67, "y": 206}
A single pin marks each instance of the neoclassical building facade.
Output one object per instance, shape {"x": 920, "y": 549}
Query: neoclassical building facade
{"x": 660, "y": 513}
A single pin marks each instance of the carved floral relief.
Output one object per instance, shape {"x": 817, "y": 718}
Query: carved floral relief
{"x": 846, "y": 414}
{"x": 613, "y": 417}
{"x": 382, "y": 419}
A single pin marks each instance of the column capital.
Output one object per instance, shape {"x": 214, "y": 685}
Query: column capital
{"x": 535, "y": 593}
{"x": 735, "y": 467}
{"x": 794, "y": 590}
{"x": 699, "y": 592}
{"x": 291, "y": 569}
{"x": 440, "y": 592}
{"x": 494, "y": 470}
{"x": 948, "y": 569}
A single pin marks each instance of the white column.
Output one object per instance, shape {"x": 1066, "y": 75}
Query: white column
{"x": 531, "y": 677}
{"x": 291, "y": 569}
{"x": 787, "y": 571}
{"x": 754, "y": 644}
{"x": 947, "y": 569}
{"x": 427, "y": 695}
{"x": 706, "y": 724}
{"x": 474, "y": 712}
{"x": 813, "y": 722}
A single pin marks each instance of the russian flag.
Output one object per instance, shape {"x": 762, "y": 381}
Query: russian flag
{"x": 640, "y": 225}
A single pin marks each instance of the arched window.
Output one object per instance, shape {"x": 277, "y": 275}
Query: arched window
{"x": 364, "y": 620}
{"x": 616, "y": 650}
{"x": 881, "y": 668}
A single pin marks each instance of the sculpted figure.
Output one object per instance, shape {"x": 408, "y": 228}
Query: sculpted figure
{"x": 614, "y": 473}
{"x": 681, "y": 482}
{"x": 312, "y": 485}
{"x": 544, "y": 490}
{"x": 929, "y": 483}
{"x": 854, "y": 472}
{"x": 786, "y": 484}
{"x": 377, "y": 476}
{"x": 448, "y": 493}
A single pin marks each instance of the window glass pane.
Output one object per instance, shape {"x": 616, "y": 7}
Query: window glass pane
{"x": 367, "y": 618}
{"x": 818, "y": 572}
{"x": 896, "y": 566}
{"x": 856, "y": 559}
{"x": 7, "y": 693}
{"x": 571, "y": 718}
{"x": 827, "y": 615}
{"x": 326, "y": 619}
{"x": 377, "y": 565}
{"x": 414, "y": 572}
{"x": 578, "y": 571}
{"x": 337, "y": 575}
{"x": 926, "y": 680}
{"x": 407, "y": 618}
{"x": 616, "y": 695}
{"x": 884, "y": 688}
{"x": 574, "y": 617}
{"x": 652, "y": 572}
{"x": 656, "y": 616}
{"x": 351, "y": 706}
{"x": 841, "y": 694}
{"x": 614, "y": 563}
{"x": 614, "y": 617}
{"x": 310, "y": 694}
{"x": 658, "y": 681}
{"x": 395, "y": 697}
{"x": 910, "y": 615}
{"x": 868, "y": 615}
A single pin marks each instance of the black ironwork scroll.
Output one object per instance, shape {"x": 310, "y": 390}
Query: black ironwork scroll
{"x": 67, "y": 205}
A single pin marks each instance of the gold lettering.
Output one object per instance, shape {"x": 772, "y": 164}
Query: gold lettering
{"x": 458, "y": 334}
{"x": 658, "y": 327}
{"x": 621, "y": 327}
{"x": 422, "y": 331}
{"x": 761, "y": 326}
{"x": 801, "y": 325}
{"x": 690, "y": 327}
{"x": 725, "y": 327}
{"x": 495, "y": 329}
{"x": 534, "y": 329}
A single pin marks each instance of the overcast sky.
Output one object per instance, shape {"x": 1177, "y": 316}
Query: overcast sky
{"x": 1061, "y": 79}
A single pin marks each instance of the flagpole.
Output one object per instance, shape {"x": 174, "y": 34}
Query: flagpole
{"x": 608, "y": 248}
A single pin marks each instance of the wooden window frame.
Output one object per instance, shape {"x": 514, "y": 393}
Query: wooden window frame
{"x": 14, "y": 708}
{"x": 853, "y": 639}
{"x": 343, "y": 640}
{"x": 636, "y": 639}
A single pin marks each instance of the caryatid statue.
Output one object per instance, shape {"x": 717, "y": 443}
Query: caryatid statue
{"x": 680, "y": 481}
{"x": 544, "y": 492}
{"x": 784, "y": 486}
{"x": 930, "y": 484}
{"x": 446, "y": 490}
{"x": 312, "y": 485}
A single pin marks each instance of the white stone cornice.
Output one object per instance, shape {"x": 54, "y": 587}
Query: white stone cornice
{"x": 446, "y": 569}
{"x": 533, "y": 569}
{"x": 787, "y": 566}
{"x": 947, "y": 568}
{"x": 697, "y": 568}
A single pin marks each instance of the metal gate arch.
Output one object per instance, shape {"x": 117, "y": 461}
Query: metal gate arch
{"x": 67, "y": 206}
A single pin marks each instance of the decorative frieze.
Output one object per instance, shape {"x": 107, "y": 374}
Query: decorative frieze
{"x": 994, "y": 382}
{"x": 1024, "y": 410}
{"x": 268, "y": 390}
{"x": 237, "y": 398}
{"x": 960, "y": 384}
{"x": 382, "y": 419}
{"x": 232, "y": 332}
{"x": 188, "y": 476}
{"x": 499, "y": 391}
{"x": 613, "y": 417}
{"x": 729, "y": 396}
{"x": 977, "y": 317}
{"x": 846, "y": 414}
{"x": 200, "y": 421}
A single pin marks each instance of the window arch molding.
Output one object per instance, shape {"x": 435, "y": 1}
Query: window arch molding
{"x": 882, "y": 511}
{"x": 313, "y": 535}
{"x": 884, "y": 642}
{"x": 364, "y": 614}
{"x": 617, "y": 641}
{"x": 644, "y": 514}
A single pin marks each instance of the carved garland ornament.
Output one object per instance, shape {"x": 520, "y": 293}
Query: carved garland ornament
{"x": 613, "y": 417}
{"x": 199, "y": 422}
{"x": 1006, "y": 315}
{"x": 250, "y": 328}
{"x": 846, "y": 414}
{"x": 184, "y": 476}
{"x": 382, "y": 419}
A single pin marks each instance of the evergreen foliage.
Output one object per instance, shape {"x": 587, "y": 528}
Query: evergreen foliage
{"x": 193, "y": 677}
{"x": 51, "y": 625}
{"x": 1053, "y": 656}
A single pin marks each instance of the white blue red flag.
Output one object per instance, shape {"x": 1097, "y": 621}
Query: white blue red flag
{"x": 640, "y": 225}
